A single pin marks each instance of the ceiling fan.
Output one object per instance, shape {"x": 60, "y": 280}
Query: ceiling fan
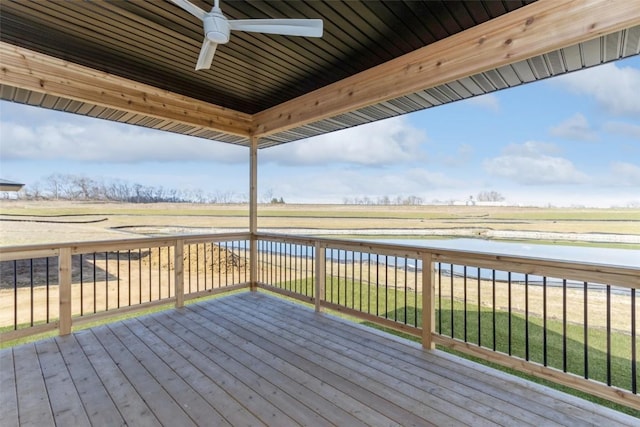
{"x": 217, "y": 28}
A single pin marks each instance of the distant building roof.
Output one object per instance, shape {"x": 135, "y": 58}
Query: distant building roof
{"x": 6, "y": 185}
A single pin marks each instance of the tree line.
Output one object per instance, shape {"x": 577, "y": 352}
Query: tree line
{"x": 79, "y": 187}
{"x": 483, "y": 196}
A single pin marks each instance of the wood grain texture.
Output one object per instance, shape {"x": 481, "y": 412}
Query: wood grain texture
{"x": 31, "y": 70}
{"x": 255, "y": 359}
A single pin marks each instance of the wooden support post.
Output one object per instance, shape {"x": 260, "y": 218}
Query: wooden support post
{"x": 178, "y": 272}
{"x": 320, "y": 274}
{"x": 428, "y": 302}
{"x": 253, "y": 214}
{"x": 64, "y": 289}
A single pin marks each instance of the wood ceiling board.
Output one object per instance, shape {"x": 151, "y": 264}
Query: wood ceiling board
{"x": 371, "y": 12}
{"x": 532, "y": 30}
{"x": 253, "y": 72}
{"x": 153, "y": 72}
{"x": 221, "y": 89}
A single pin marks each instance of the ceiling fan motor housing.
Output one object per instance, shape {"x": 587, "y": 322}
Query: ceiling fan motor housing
{"x": 216, "y": 27}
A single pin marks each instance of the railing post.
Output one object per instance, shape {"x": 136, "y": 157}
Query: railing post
{"x": 320, "y": 274}
{"x": 64, "y": 289}
{"x": 253, "y": 213}
{"x": 178, "y": 272}
{"x": 428, "y": 301}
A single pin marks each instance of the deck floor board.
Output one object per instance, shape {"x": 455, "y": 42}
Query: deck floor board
{"x": 485, "y": 390}
{"x": 96, "y": 401}
{"x": 422, "y": 384}
{"x": 560, "y": 408}
{"x": 294, "y": 389}
{"x": 8, "y": 395}
{"x": 255, "y": 359}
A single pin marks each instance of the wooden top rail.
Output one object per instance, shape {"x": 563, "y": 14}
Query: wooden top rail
{"x": 288, "y": 238}
{"x": 628, "y": 277}
{"x": 9, "y": 253}
{"x": 624, "y": 276}
{"x": 18, "y": 253}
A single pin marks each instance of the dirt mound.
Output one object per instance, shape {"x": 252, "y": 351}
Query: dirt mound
{"x": 197, "y": 258}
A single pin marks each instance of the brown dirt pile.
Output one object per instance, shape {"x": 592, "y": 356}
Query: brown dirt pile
{"x": 197, "y": 258}
{"x": 200, "y": 258}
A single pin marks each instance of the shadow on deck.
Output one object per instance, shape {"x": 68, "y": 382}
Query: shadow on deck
{"x": 255, "y": 359}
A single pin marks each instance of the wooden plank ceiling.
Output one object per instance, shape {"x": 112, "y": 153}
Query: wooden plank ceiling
{"x": 133, "y": 61}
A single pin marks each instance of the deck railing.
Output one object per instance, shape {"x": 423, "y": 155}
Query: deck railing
{"x": 47, "y": 287}
{"x": 571, "y": 323}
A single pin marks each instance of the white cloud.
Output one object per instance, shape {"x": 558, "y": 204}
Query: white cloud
{"x": 385, "y": 142}
{"x": 624, "y": 129}
{"x": 531, "y": 149}
{"x": 94, "y": 140}
{"x": 575, "y": 127}
{"x": 534, "y": 163}
{"x": 614, "y": 88}
{"x": 626, "y": 174}
{"x": 463, "y": 155}
{"x": 488, "y": 102}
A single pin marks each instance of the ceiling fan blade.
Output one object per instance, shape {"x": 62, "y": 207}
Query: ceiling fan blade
{"x": 206, "y": 54}
{"x": 191, "y": 8}
{"x": 286, "y": 27}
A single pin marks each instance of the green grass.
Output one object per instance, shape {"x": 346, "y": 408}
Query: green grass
{"x": 390, "y": 303}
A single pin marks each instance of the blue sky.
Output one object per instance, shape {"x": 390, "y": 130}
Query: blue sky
{"x": 566, "y": 141}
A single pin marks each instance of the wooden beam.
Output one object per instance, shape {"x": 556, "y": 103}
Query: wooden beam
{"x": 26, "y": 69}
{"x": 533, "y": 30}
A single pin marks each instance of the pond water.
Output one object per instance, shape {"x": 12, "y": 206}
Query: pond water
{"x": 619, "y": 257}
{"x": 593, "y": 255}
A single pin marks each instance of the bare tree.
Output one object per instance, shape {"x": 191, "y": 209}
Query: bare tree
{"x": 490, "y": 196}
{"x": 53, "y": 185}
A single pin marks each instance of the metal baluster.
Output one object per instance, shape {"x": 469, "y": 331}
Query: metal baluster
{"x": 544, "y": 321}
{"x": 509, "y": 304}
{"x": 464, "y": 312}
{"x": 526, "y": 317}
{"x": 564, "y": 325}
{"x": 586, "y": 329}
{"x": 634, "y": 373}
{"x": 479, "y": 311}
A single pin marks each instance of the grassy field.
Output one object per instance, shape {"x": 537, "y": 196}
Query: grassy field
{"x": 29, "y": 222}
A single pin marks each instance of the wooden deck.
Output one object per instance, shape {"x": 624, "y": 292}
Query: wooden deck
{"x": 255, "y": 359}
